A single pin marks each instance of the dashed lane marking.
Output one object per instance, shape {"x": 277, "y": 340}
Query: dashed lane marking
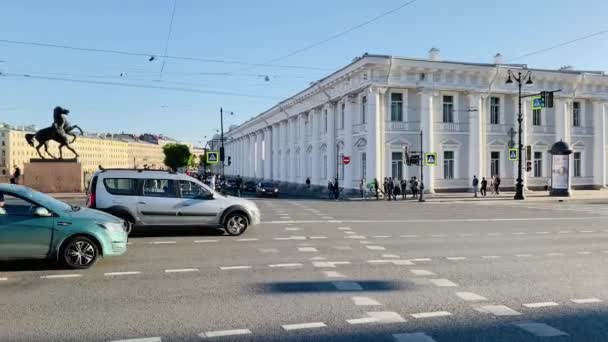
{"x": 307, "y": 249}
{"x": 227, "y": 268}
{"x": 318, "y": 237}
{"x": 564, "y": 232}
{"x": 402, "y": 262}
{"x": 222, "y": 333}
{"x": 333, "y": 274}
{"x": 498, "y": 310}
{"x": 408, "y": 236}
{"x": 347, "y": 285}
{"x": 355, "y": 237}
{"x": 421, "y": 259}
{"x": 365, "y": 242}
{"x": 470, "y": 296}
{"x": 376, "y": 248}
{"x": 519, "y": 233}
{"x": 586, "y": 300}
{"x": 555, "y": 254}
{"x": 110, "y": 274}
{"x": 343, "y": 248}
{"x": 523, "y": 255}
{"x": 583, "y": 253}
{"x": 364, "y": 320}
{"x": 59, "y": 276}
{"x": 540, "y": 305}
{"x": 438, "y": 235}
{"x": 145, "y": 339}
{"x": 422, "y": 272}
{"x": 318, "y": 258}
{"x": 300, "y": 326}
{"x": 542, "y": 232}
{"x": 162, "y": 242}
{"x": 495, "y": 234}
{"x": 247, "y": 239}
{"x": 330, "y": 264}
{"x": 381, "y": 236}
{"x": 456, "y": 258}
{"x": 540, "y": 329}
{"x": 344, "y": 228}
{"x": 285, "y": 265}
{"x": 443, "y": 282}
{"x": 386, "y": 316}
{"x": 3, "y": 279}
{"x": 413, "y": 337}
{"x": 390, "y": 256}
{"x": 365, "y": 301}
{"x": 205, "y": 241}
{"x": 268, "y": 250}
{"x": 431, "y": 314}
{"x": 349, "y": 232}
{"x": 490, "y": 256}
{"x": 292, "y": 229}
{"x": 585, "y": 231}
{"x": 180, "y": 270}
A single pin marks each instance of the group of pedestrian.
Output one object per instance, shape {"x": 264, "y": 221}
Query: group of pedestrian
{"x": 391, "y": 188}
{"x": 333, "y": 188}
{"x": 483, "y": 186}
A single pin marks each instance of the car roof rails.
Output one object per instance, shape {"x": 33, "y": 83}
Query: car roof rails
{"x": 138, "y": 170}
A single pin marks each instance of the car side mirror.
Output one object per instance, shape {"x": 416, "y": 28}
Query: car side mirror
{"x": 208, "y": 196}
{"x": 42, "y": 212}
{"x": 2, "y": 211}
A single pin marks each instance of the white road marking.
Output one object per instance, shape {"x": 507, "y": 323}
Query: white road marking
{"x": 347, "y": 285}
{"x": 318, "y": 237}
{"x": 268, "y": 250}
{"x": 365, "y": 301}
{"x": 511, "y": 219}
{"x": 227, "y": 268}
{"x": 307, "y": 249}
{"x": 495, "y": 234}
{"x": 584, "y": 253}
{"x": 390, "y": 256}
{"x": 365, "y": 242}
{"x": 490, "y": 256}
{"x": 585, "y": 231}
{"x": 498, "y": 310}
{"x": 413, "y": 337}
{"x": 431, "y": 314}
{"x": 408, "y": 236}
{"x": 178, "y": 270}
{"x": 60, "y": 276}
{"x": 421, "y": 259}
{"x": 205, "y": 241}
{"x": 402, "y": 262}
{"x": 379, "y": 261}
{"x": 443, "y": 282}
{"x": 422, "y": 272}
{"x": 145, "y": 339}
{"x": 329, "y": 264}
{"x": 519, "y": 233}
{"x": 109, "y": 274}
{"x": 350, "y": 233}
{"x": 456, "y": 258}
{"x": 438, "y": 235}
{"x": 292, "y": 228}
{"x": 381, "y": 236}
{"x": 344, "y": 228}
{"x": 555, "y": 253}
{"x": 470, "y": 296}
{"x": 540, "y": 329}
{"x": 364, "y": 320}
{"x": 318, "y": 258}
{"x": 301, "y": 326}
{"x": 540, "y": 305}
{"x": 376, "y": 248}
{"x": 386, "y": 316}
{"x": 523, "y": 255}
{"x": 542, "y": 232}
{"x": 3, "y": 279}
{"x": 327, "y": 217}
{"x": 564, "y": 232}
{"x": 333, "y": 274}
{"x": 221, "y": 333}
{"x": 586, "y": 300}
{"x": 355, "y": 237}
{"x": 285, "y": 265}
{"x": 129, "y": 243}
{"x": 247, "y": 239}
{"x": 343, "y": 248}
{"x": 162, "y": 242}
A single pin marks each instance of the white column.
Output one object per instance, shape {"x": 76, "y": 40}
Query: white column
{"x": 267, "y": 153}
{"x": 599, "y": 144}
{"x": 284, "y": 147}
{"x": 315, "y": 118}
{"x": 275, "y": 152}
{"x": 476, "y": 148}
{"x": 252, "y": 156}
{"x": 349, "y": 113}
{"x": 247, "y": 158}
{"x": 303, "y": 167}
{"x": 375, "y": 134}
{"x": 562, "y": 122}
{"x": 293, "y": 143}
{"x": 426, "y": 125}
{"x": 332, "y": 109}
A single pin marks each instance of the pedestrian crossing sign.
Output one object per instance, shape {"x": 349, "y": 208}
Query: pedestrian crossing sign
{"x": 212, "y": 157}
{"x": 513, "y": 154}
{"x": 430, "y": 159}
{"x": 538, "y": 102}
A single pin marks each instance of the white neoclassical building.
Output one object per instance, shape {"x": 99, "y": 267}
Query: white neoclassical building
{"x": 373, "y": 108}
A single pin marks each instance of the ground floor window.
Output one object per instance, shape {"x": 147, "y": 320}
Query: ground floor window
{"x": 324, "y": 171}
{"x": 397, "y": 165}
{"x": 538, "y": 164}
{"x": 495, "y": 163}
{"x": 448, "y": 164}
{"x": 577, "y": 165}
{"x": 298, "y": 171}
{"x": 363, "y": 165}
{"x": 340, "y": 166}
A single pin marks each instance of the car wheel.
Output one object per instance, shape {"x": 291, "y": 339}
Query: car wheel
{"x": 79, "y": 252}
{"x": 236, "y": 224}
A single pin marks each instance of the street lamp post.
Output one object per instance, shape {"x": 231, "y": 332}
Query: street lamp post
{"x": 222, "y": 157}
{"x": 520, "y": 79}
{"x": 421, "y": 162}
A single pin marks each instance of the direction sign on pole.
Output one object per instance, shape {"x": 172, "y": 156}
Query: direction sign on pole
{"x": 212, "y": 157}
{"x": 538, "y": 102}
{"x": 346, "y": 160}
{"x": 513, "y": 154}
{"x": 430, "y": 159}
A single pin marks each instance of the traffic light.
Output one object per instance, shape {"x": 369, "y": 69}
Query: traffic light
{"x": 547, "y": 97}
{"x": 414, "y": 159}
{"x": 222, "y": 153}
{"x": 529, "y": 166}
{"x": 229, "y": 160}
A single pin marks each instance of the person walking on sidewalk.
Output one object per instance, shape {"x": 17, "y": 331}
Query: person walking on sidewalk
{"x": 475, "y": 184}
{"x": 390, "y": 187}
{"x": 414, "y": 186}
{"x": 484, "y": 184}
{"x": 239, "y": 185}
{"x": 376, "y": 188}
{"x": 362, "y": 187}
{"x": 336, "y": 189}
{"x": 308, "y": 182}
{"x": 330, "y": 188}
{"x": 403, "y": 188}
{"x": 497, "y": 185}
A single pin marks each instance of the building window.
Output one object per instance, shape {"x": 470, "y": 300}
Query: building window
{"x": 397, "y": 165}
{"x": 577, "y": 165}
{"x": 448, "y": 164}
{"x": 495, "y": 163}
{"x": 536, "y": 117}
{"x": 494, "y": 110}
{"x": 448, "y": 108}
{"x": 576, "y": 114}
{"x": 340, "y": 166}
{"x": 364, "y": 109}
{"x": 397, "y": 107}
{"x": 342, "y": 109}
{"x": 363, "y": 165}
{"x": 325, "y": 121}
{"x": 538, "y": 164}
{"x": 325, "y": 167}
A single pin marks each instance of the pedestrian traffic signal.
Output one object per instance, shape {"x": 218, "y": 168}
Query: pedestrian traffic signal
{"x": 414, "y": 159}
{"x": 528, "y": 166}
{"x": 222, "y": 153}
{"x": 229, "y": 160}
{"x": 547, "y": 97}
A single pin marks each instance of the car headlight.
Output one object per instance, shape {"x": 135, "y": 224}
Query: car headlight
{"x": 276, "y": 190}
{"x": 264, "y": 190}
{"x": 112, "y": 227}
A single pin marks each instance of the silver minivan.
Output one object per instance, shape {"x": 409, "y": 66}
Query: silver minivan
{"x": 147, "y": 198}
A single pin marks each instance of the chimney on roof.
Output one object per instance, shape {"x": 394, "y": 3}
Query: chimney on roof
{"x": 434, "y": 54}
{"x": 498, "y": 59}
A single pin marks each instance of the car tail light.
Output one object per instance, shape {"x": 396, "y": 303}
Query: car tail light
{"x": 91, "y": 200}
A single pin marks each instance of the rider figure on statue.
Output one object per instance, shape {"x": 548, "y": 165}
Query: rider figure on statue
{"x": 59, "y": 120}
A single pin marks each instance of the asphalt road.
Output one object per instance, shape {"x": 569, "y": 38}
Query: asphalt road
{"x": 335, "y": 271}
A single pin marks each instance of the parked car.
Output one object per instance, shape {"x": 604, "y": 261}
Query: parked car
{"x": 266, "y": 188}
{"x": 249, "y": 186}
{"x": 146, "y": 198}
{"x": 36, "y": 226}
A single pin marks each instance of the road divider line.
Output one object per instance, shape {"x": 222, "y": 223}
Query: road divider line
{"x": 301, "y": 326}
{"x": 205, "y": 241}
{"x": 456, "y": 258}
{"x": 110, "y": 274}
{"x": 431, "y": 314}
{"x": 498, "y": 310}
{"x": 333, "y": 274}
{"x": 3, "y": 279}
{"x": 390, "y": 256}
{"x": 586, "y": 300}
{"x": 443, "y": 283}
{"x": 365, "y": 301}
{"x": 470, "y": 296}
{"x": 227, "y": 268}
{"x": 381, "y": 236}
{"x": 583, "y": 253}
{"x": 318, "y": 237}
{"x": 376, "y": 248}
{"x": 364, "y": 320}
{"x": 163, "y": 242}
{"x": 179, "y": 270}
{"x": 145, "y": 339}
{"x": 422, "y": 272}
{"x": 285, "y": 265}
{"x": 222, "y": 333}
{"x": 247, "y": 239}
{"x": 60, "y": 276}
{"x": 523, "y": 255}
{"x": 386, "y": 316}
{"x": 420, "y": 259}
{"x": 490, "y": 256}
{"x": 540, "y": 305}
{"x": 307, "y": 249}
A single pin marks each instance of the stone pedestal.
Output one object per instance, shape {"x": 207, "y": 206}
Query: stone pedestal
{"x": 53, "y": 176}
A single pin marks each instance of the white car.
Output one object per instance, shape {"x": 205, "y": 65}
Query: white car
{"x": 162, "y": 198}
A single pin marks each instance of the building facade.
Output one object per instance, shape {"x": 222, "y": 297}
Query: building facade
{"x": 377, "y": 106}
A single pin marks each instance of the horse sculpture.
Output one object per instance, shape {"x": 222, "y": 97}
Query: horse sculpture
{"x": 58, "y": 132}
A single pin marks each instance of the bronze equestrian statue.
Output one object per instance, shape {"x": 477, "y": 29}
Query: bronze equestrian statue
{"x": 59, "y": 132}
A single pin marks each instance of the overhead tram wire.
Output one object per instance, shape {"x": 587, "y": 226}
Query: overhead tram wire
{"x": 162, "y": 67}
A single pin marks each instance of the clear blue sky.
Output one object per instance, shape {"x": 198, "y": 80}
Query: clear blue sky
{"x": 253, "y": 31}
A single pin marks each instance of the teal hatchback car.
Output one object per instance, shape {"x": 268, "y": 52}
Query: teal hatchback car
{"x": 36, "y": 226}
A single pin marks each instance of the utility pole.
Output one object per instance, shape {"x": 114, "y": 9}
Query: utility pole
{"x": 421, "y": 162}
{"x": 222, "y": 140}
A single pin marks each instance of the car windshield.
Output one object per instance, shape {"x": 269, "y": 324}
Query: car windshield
{"x": 267, "y": 185}
{"x": 50, "y": 202}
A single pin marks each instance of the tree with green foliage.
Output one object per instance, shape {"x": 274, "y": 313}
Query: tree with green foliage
{"x": 176, "y": 156}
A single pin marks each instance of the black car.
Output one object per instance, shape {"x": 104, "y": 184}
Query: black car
{"x": 249, "y": 186}
{"x": 267, "y": 189}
